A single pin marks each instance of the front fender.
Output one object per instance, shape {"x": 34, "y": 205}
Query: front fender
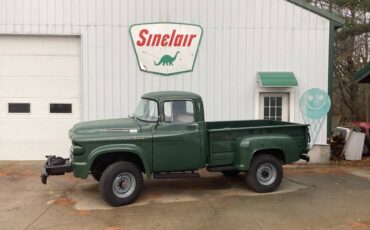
{"x": 248, "y": 146}
{"x": 118, "y": 148}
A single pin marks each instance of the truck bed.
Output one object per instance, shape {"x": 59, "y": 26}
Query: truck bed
{"x": 223, "y": 136}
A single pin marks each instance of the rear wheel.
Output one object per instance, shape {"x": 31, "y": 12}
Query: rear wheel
{"x": 232, "y": 173}
{"x": 265, "y": 173}
{"x": 121, "y": 183}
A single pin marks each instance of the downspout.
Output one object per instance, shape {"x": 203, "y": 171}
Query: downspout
{"x": 334, "y": 26}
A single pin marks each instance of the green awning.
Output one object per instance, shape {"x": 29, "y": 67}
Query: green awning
{"x": 277, "y": 79}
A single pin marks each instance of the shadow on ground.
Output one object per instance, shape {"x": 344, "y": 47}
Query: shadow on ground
{"x": 86, "y": 194}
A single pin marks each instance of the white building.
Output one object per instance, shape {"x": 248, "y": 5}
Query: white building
{"x": 65, "y": 61}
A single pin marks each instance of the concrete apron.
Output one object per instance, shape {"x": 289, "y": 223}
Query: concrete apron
{"x": 84, "y": 194}
{"x": 304, "y": 193}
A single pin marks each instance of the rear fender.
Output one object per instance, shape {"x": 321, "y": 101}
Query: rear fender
{"x": 249, "y": 146}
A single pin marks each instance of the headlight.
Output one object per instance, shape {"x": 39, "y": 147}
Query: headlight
{"x": 77, "y": 150}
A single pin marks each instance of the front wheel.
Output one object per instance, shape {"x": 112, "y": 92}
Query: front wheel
{"x": 121, "y": 183}
{"x": 265, "y": 173}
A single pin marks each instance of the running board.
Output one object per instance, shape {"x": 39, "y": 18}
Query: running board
{"x": 169, "y": 175}
{"x": 221, "y": 168}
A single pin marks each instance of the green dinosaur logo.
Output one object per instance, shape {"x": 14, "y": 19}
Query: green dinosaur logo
{"x": 167, "y": 59}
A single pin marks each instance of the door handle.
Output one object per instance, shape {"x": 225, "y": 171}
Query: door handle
{"x": 193, "y": 125}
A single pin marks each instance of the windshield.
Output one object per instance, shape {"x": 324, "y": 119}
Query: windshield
{"x": 147, "y": 110}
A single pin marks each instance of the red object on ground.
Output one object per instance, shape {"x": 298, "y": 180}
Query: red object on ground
{"x": 364, "y": 126}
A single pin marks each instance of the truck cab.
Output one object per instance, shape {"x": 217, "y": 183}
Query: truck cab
{"x": 177, "y": 137}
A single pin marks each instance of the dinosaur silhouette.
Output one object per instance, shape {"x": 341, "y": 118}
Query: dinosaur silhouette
{"x": 167, "y": 59}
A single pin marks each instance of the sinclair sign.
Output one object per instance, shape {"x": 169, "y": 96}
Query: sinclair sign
{"x": 166, "y": 48}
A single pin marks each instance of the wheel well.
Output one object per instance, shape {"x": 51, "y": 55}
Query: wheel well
{"x": 103, "y": 161}
{"x": 278, "y": 153}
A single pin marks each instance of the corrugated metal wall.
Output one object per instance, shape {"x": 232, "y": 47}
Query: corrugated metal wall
{"x": 240, "y": 38}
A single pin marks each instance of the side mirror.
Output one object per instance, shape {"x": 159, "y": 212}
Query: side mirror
{"x": 130, "y": 115}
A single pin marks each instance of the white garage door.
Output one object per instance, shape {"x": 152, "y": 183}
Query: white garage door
{"x": 40, "y": 90}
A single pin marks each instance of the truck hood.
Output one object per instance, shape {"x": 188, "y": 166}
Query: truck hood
{"x": 100, "y": 127}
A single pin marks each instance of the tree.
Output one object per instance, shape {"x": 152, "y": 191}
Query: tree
{"x": 351, "y": 54}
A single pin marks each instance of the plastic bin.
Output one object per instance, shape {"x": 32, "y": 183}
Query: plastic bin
{"x": 353, "y": 149}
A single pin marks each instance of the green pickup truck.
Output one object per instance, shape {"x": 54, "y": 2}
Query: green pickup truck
{"x": 167, "y": 137}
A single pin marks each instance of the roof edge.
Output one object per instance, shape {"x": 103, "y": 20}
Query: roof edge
{"x": 340, "y": 21}
{"x": 166, "y": 94}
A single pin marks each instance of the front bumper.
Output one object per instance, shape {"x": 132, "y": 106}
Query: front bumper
{"x": 55, "y": 166}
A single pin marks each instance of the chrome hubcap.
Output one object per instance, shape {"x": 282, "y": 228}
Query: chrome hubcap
{"x": 124, "y": 185}
{"x": 266, "y": 174}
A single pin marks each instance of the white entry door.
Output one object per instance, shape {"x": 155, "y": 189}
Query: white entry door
{"x": 40, "y": 95}
{"x": 274, "y": 106}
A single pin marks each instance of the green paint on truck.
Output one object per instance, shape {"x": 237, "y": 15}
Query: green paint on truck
{"x": 167, "y": 137}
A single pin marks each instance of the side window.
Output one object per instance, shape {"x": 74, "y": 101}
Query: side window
{"x": 60, "y": 108}
{"x": 181, "y": 112}
{"x": 19, "y": 108}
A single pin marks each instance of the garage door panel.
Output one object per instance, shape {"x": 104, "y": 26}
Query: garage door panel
{"x": 38, "y": 70}
{"x": 25, "y": 129}
{"x": 13, "y": 87}
{"x": 33, "y": 45}
{"x": 34, "y": 150}
{"x": 45, "y": 66}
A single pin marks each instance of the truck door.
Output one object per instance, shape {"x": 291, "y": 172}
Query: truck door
{"x": 176, "y": 141}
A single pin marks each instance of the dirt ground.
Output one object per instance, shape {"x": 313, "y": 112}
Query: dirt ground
{"x": 334, "y": 196}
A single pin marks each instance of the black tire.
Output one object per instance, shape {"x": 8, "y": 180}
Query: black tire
{"x": 119, "y": 174}
{"x": 265, "y": 173}
{"x": 96, "y": 175}
{"x": 232, "y": 173}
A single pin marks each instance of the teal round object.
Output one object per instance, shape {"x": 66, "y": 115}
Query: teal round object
{"x": 315, "y": 103}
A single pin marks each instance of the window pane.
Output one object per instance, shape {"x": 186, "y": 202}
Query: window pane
{"x": 279, "y": 111}
{"x": 180, "y": 113}
{"x": 19, "y": 108}
{"x": 147, "y": 110}
{"x": 60, "y": 108}
{"x": 189, "y": 107}
{"x": 273, "y": 107}
{"x": 279, "y": 101}
{"x": 273, "y": 101}
{"x": 153, "y": 110}
{"x": 272, "y": 112}
{"x": 168, "y": 111}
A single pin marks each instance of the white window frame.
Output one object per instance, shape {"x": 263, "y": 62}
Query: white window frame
{"x": 284, "y": 104}
{"x": 274, "y": 90}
